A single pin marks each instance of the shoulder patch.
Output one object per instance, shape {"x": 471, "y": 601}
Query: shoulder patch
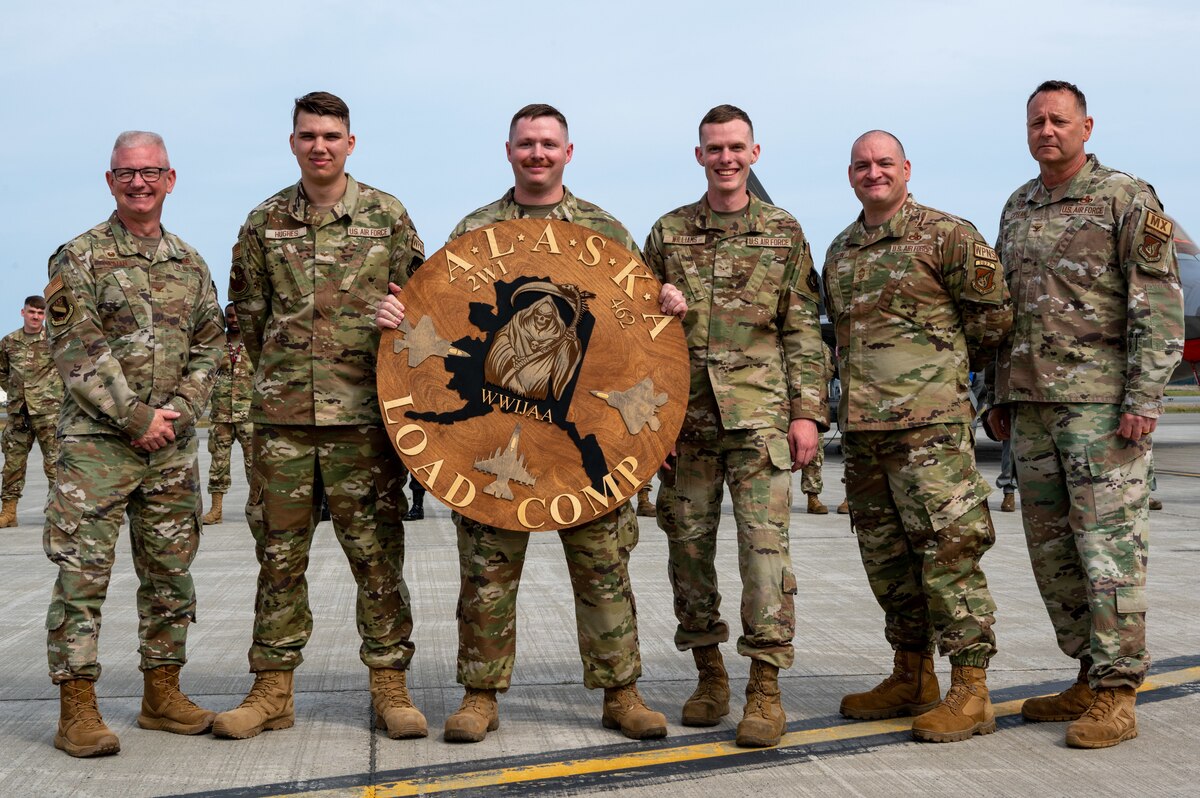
{"x": 417, "y": 244}
{"x": 985, "y": 252}
{"x": 1159, "y": 225}
{"x": 767, "y": 241}
{"x": 812, "y": 282}
{"x": 985, "y": 277}
{"x": 668, "y": 239}
{"x": 60, "y": 306}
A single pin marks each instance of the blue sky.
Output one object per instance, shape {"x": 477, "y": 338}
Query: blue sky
{"x": 431, "y": 87}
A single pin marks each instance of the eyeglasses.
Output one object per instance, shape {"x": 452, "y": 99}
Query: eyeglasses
{"x": 150, "y": 174}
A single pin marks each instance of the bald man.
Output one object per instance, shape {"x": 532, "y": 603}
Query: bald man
{"x": 918, "y": 301}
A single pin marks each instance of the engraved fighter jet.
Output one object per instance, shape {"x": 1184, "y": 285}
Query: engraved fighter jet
{"x": 638, "y": 405}
{"x": 423, "y": 342}
{"x": 506, "y": 464}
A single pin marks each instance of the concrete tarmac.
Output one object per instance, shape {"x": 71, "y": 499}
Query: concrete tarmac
{"x": 550, "y": 741}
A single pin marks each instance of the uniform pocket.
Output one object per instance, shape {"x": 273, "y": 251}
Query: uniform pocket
{"x": 1117, "y": 468}
{"x": 967, "y": 495}
{"x": 56, "y": 615}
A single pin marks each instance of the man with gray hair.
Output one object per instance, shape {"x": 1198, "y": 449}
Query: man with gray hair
{"x": 136, "y": 334}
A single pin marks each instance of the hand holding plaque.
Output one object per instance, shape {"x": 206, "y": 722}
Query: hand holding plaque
{"x": 534, "y": 383}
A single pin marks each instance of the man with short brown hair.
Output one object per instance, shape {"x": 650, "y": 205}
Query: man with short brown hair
{"x": 308, "y": 266}
{"x": 755, "y": 406}
{"x": 35, "y": 394}
{"x": 597, "y": 552}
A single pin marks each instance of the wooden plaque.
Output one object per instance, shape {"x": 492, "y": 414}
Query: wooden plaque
{"x": 534, "y": 383}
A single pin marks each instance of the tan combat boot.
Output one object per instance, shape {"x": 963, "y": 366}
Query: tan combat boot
{"x": 478, "y": 714}
{"x": 814, "y": 505}
{"x": 213, "y": 516}
{"x": 8, "y": 515}
{"x": 166, "y": 708}
{"x": 394, "y": 708}
{"x": 1009, "y": 503}
{"x": 624, "y": 709}
{"x": 81, "y": 730}
{"x": 645, "y": 507}
{"x": 1111, "y": 719}
{"x": 966, "y": 710}
{"x": 710, "y": 700}
{"x": 763, "y": 719}
{"x": 844, "y": 507}
{"x": 911, "y": 689}
{"x": 268, "y": 706}
{"x": 1070, "y": 704}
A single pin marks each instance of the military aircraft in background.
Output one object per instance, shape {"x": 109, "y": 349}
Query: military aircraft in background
{"x": 1189, "y": 276}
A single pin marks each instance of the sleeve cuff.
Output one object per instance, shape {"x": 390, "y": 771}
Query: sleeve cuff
{"x": 139, "y": 421}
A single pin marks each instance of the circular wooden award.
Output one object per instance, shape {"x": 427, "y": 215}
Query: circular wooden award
{"x": 534, "y": 383}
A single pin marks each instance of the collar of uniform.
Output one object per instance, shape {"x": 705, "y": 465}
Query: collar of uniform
{"x": 894, "y": 227}
{"x": 344, "y": 207}
{"x": 1079, "y": 186}
{"x": 565, "y": 210}
{"x": 129, "y": 246}
{"x": 752, "y": 219}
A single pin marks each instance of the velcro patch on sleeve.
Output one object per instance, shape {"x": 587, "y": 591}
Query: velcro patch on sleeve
{"x": 1159, "y": 225}
{"x": 60, "y": 305}
{"x": 985, "y": 252}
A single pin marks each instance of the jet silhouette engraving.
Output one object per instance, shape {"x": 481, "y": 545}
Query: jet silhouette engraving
{"x": 638, "y": 405}
{"x": 506, "y": 464}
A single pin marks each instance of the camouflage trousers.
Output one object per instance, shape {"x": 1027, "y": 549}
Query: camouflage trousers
{"x": 17, "y": 441}
{"x": 220, "y": 446}
{"x": 1084, "y": 501}
{"x": 490, "y": 562}
{"x": 361, "y": 477}
{"x": 811, "y": 481}
{"x": 756, "y": 466}
{"x": 919, "y": 508}
{"x": 100, "y": 478}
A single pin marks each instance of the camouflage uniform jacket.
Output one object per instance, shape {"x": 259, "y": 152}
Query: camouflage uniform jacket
{"x": 1091, "y": 266}
{"x": 753, "y": 332}
{"x": 27, "y": 374}
{"x": 234, "y": 388}
{"x": 131, "y": 331}
{"x": 569, "y": 209}
{"x": 917, "y": 303}
{"x": 305, "y": 287}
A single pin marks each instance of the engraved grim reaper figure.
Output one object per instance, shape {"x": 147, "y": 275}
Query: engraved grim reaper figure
{"x": 535, "y": 352}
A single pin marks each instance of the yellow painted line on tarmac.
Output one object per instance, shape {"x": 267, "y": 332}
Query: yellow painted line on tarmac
{"x": 667, "y": 756}
{"x": 1175, "y": 473}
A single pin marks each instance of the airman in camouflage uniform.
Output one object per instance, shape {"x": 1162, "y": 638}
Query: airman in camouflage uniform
{"x": 1090, "y": 262}
{"x": 229, "y": 415}
{"x": 756, "y": 399}
{"x": 918, "y": 301}
{"x": 309, "y": 264}
{"x": 35, "y": 393}
{"x": 136, "y": 334}
{"x": 597, "y": 553}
